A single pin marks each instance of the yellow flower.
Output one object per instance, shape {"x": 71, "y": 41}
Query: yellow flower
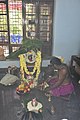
{"x": 23, "y": 66}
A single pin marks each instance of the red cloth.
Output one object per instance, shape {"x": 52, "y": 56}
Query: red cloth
{"x": 62, "y": 90}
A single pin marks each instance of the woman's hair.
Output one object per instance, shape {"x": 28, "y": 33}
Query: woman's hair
{"x": 56, "y": 61}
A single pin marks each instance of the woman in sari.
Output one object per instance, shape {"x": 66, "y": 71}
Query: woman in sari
{"x": 60, "y": 84}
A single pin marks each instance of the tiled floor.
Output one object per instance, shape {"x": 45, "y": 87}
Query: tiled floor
{"x": 10, "y": 104}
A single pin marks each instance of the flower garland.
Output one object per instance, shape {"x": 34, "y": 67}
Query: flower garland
{"x": 23, "y": 66}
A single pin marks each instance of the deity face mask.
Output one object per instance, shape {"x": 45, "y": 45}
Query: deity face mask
{"x": 30, "y": 56}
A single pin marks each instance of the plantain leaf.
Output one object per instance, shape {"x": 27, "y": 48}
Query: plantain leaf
{"x": 27, "y": 44}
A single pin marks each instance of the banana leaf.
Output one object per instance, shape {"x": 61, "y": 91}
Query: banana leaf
{"x": 27, "y": 44}
{"x": 15, "y": 54}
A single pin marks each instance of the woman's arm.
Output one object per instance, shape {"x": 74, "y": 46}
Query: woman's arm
{"x": 61, "y": 77}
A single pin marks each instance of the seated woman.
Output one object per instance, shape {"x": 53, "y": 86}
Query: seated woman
{"x": 60, "y": 85}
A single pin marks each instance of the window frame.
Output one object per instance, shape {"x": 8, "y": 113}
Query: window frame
{"x": 47, "y": 47}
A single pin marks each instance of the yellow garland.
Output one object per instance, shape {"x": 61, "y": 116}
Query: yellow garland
{"x": 23, "y": 66}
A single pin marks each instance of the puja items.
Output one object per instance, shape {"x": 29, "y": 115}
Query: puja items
{"x": 13, "y": 70}
{"x": 34, "y": 106}
{"x": 34, "y": 102}
{"x": 24, "y": 87}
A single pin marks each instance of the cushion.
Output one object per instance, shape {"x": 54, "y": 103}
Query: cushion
{"x": 9, "y": 79}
